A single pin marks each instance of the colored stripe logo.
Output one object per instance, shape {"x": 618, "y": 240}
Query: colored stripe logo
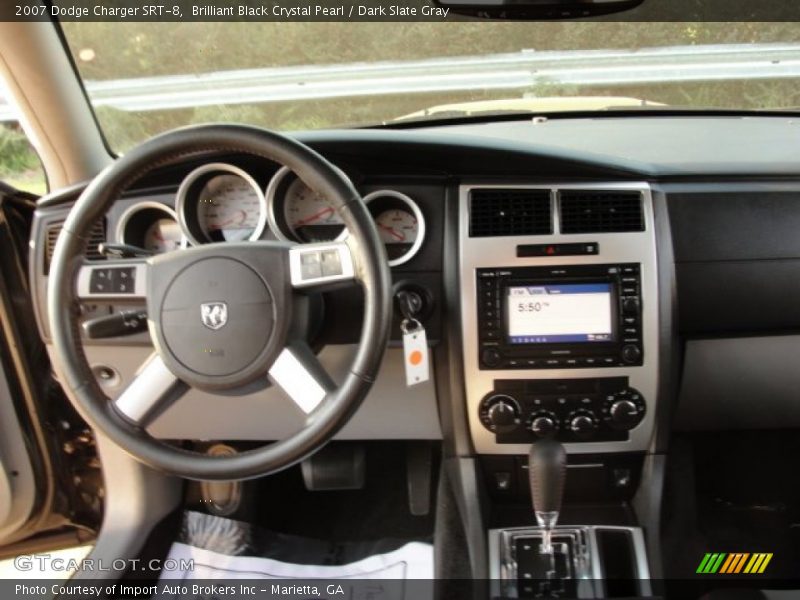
{"x": 734, "y": 563}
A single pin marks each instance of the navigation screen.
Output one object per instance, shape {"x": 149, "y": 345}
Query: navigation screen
{"x": 551, "y": 314}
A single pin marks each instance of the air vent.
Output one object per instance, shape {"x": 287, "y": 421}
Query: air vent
{"x": 496, "y": 212}
{"x": 600, "y": 211}
{"x": 96, "y": 237}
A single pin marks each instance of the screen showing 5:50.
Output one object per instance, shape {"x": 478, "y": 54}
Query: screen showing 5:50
{"x": 559, "y": 313}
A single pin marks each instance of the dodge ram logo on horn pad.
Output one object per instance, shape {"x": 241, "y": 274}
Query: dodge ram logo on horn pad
{"x": 214, "y": 314}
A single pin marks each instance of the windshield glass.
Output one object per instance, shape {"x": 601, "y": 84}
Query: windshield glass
{"x": 144, "y": 78}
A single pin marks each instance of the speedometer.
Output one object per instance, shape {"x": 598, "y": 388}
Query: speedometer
{"x": 311, "y": 216}
{"x": 221, "y": 203}
{"x": 299, "y": 214}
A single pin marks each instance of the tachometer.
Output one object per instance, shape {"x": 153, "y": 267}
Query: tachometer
{"x": 400, "y": 224}
{"x": 229, "y": 208}
{"x": 220, "y": 202}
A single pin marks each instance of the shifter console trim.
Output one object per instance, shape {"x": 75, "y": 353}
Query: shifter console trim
{"x": 579, "y": 544}
{"x": 479, "y": 254}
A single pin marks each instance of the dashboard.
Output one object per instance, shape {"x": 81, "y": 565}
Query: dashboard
{"x": 221, "y": 202}
{"x": 574, "y": 282}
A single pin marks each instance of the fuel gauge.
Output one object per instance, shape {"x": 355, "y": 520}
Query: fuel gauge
{"x": 400, "y": 224}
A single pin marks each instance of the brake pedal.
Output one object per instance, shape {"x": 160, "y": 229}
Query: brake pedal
{"x": 335, "y": 467}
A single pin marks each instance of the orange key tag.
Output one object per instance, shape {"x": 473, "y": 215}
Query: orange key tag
{"x": 415, "y": 352}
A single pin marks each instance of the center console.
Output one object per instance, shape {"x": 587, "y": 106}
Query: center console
{"x": 559, "y": 320}
{"x": 560, "y": 325}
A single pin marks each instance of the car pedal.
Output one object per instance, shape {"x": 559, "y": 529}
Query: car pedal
{"x": 419, "y": 466}
{"x": 221, "y": 498}
{"x": 335, "y": 467}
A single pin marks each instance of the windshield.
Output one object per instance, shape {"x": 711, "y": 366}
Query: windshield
{"x": 144, "y": 78}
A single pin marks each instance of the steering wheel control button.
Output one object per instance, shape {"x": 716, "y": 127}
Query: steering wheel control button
{"x": 318, "y": 264}
{"x": 311, "y": 265}
{"x": 331, "y": 263}
{"x": 113, "y": 280}
{"x": 107, "y": 281}
{"x": 322, "y": 264}
{"x": 217, "y": 317}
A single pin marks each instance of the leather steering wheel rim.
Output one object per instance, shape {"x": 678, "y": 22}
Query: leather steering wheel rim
{"x": 370, "y": 264}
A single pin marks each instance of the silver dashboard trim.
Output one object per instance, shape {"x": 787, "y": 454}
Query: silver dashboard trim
{"x": 480, "y": 252}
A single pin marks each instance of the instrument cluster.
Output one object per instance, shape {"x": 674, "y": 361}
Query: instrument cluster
{"x": 220, "y": 202}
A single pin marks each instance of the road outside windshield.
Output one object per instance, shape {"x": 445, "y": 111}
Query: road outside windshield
{"x": 145, "y": 78}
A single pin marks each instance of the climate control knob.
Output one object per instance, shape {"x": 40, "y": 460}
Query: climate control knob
{"x": 500, "y": 413}
{"x": 582, "y": 424}
{"x": 624, "y": 410}
{"x": 543, "y": 424}
{"x": 624, "y": 414}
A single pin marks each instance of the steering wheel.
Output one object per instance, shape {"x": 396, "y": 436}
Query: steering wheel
{"x": 223, "y": 317}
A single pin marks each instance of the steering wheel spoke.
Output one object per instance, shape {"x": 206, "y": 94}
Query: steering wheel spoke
{"x": 124, "y": 279}
{"x": 322, "y": 265}
{"x": 153, "y": 390}
{"x": 298, "y": 372}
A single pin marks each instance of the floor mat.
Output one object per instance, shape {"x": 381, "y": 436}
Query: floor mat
{"x": 217, "y": 548}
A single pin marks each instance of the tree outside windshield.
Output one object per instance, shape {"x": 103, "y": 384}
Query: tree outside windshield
{"x": 146, "y": 78}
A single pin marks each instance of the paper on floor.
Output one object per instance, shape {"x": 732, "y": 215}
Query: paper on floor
{"x": 412, "y": 561}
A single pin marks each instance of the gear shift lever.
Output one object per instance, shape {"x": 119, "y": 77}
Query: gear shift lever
{"x": 547, "y": 469}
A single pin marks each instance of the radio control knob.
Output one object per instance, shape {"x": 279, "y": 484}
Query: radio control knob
{"x": 582, "y": 425}
{"x": 490, "y": 357}
{"x": 630, "y": 306}
{"x": 501, "y": 413}
{"x": 624, "y": 414}
{"x": 543, "y": 424}
{"x": 631, "y": 353}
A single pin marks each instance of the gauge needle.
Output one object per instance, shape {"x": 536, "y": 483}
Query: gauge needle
{"x": 315, "y": 217}
{"x": 393, "y": 232}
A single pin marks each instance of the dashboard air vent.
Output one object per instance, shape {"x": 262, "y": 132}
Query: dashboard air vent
{"x": 96, "y": 237}
{"x": 497, "y": 212}
{"x": 600, "y": 211}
